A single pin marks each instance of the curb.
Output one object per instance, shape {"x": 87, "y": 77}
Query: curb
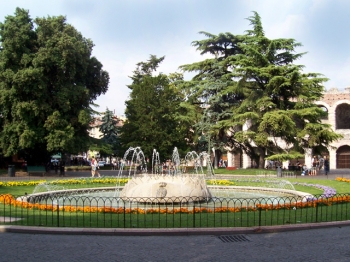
{"x": 171, "y": 231}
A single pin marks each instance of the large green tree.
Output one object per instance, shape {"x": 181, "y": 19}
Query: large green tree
{"x": 263, "y": 103}
{"x": 154, "y": 112}
{"x": 48, "y": 81}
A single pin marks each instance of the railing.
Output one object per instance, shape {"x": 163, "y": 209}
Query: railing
{"x": 112, "y": 212}
{"x": 269, "y": 173}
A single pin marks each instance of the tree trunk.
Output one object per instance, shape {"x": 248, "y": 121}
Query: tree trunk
{"x": 262, "y": 151}
{"x": 218, "y": 155}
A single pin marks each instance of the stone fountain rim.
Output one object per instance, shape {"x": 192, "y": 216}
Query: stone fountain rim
{"x": 294, "y": 193}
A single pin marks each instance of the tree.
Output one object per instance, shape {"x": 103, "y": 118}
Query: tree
{"x": 48, "y": 80}
{"x": 263, "y": 102}
{"x": 110, "y": 131}
{"x": 154, "y": 112}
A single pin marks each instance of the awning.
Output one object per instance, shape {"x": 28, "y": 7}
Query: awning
{"x": 56, "y": 156}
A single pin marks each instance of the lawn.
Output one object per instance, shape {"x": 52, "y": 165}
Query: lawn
{"x": 102, "y": 216}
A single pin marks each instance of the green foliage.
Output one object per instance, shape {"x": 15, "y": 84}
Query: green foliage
{"x": 110, "y": 130}
{"x": 258, "y": 100}
{"x": 155, "y": 115}
{"x": 48, "y": 80}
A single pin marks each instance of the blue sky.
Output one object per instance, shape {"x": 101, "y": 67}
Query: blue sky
{"x": 126, "y": 32}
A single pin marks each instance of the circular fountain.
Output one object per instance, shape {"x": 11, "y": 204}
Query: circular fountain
{"x": 171, "y": 184}
{"x": 183, "y": 182}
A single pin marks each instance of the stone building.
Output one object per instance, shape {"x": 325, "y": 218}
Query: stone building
{"x": 337, "y": 104}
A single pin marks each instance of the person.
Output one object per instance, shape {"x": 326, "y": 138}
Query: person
{"x": 62, "y": 169}
{"x": 314, "y": 166}
{"x": 93, "y": 166}
{"x": 97, "y": 166}
{"x": 164, "y": 168}
{"x": 320, "y": 162}
{"x": 55, "y": 165}
{"x": 298, "y": 166}
{"x": 114, "y": 164}
{"x": 326, "y": 165}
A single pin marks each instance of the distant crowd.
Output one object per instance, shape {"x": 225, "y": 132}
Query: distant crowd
{"x": 319, "y": 165}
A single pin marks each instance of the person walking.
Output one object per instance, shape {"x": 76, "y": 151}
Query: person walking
{"x": 97, "y": 166}
{"x": 314, "y": 166}
{"x": 93, "y": 166}
{"x": 326, "y": 165}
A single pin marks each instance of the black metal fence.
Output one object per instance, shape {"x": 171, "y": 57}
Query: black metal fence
{"x": 115, "y": 212}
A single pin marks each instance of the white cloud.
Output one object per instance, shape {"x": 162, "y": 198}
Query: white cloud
{"x": 292, "y": 26}
{"x": 126, "y": 32}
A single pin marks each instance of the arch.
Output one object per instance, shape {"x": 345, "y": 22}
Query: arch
{"x": 322, "y": 104}
{"x": 342, "y": 116}
{"x": 325, "y": 109}
{"x": 343, "y": 101}
{"x": 343, "y": 157}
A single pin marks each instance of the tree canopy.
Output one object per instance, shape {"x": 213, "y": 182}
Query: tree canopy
{"x": 48, "y": 81}
{"x": 154, "y": 112}
{"x": 258, "y": 99}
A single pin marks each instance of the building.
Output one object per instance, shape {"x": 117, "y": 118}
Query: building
{"x": 337, "y": 104}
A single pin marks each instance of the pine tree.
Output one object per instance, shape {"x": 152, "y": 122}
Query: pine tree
{"x": 110, "y": 130}
{"x": 262, "y": 101}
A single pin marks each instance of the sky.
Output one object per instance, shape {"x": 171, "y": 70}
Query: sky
{"x": 126, "y": 32}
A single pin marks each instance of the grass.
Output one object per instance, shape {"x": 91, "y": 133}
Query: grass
{"x": 322, "y": 213}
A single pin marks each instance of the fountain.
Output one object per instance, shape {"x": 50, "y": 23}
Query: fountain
{"x": 171, "y": 184}
{"x": 46, "y": 187}
{"x": 182, "y": 182}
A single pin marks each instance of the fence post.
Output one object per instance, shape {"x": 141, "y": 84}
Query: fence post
{"x": 316, "y": 211}
{"x": 58, "y": 215}
{"x": 259, "y": 219}
{"x": 124, "y": 214}
{"x": 194, "y": 215}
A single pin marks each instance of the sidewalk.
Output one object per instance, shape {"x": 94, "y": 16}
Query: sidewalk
{"x": 322, "y": 244}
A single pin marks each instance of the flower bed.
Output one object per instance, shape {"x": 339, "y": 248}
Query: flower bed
{"x": 327, "y": 198}
{"x": 340, "y": 179}
{"x": 73, "y": 181}
{"x": 327, "y": 191}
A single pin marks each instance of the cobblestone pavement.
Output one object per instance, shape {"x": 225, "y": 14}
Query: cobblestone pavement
{"x": 325, "y": 244}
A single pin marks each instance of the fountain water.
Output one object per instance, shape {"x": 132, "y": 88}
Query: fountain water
{"x": 183, "y": 181}
{"x": 46, "y": 187}
{"x": 169, "y": 184}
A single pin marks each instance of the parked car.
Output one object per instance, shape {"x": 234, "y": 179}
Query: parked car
{"x": 101, "y": 163}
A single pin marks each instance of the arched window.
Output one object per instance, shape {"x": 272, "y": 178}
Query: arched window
{"x": 325, "y": 117}
{"x": 342, "y": 116}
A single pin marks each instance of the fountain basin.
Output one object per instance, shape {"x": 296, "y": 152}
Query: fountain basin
{"x": 227, "y": 195}
{"x": 171, "y": 189}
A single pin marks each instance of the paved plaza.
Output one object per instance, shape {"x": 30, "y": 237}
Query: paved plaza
{"x": 323, "y": 244}
{"x": 314, "y": 242}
